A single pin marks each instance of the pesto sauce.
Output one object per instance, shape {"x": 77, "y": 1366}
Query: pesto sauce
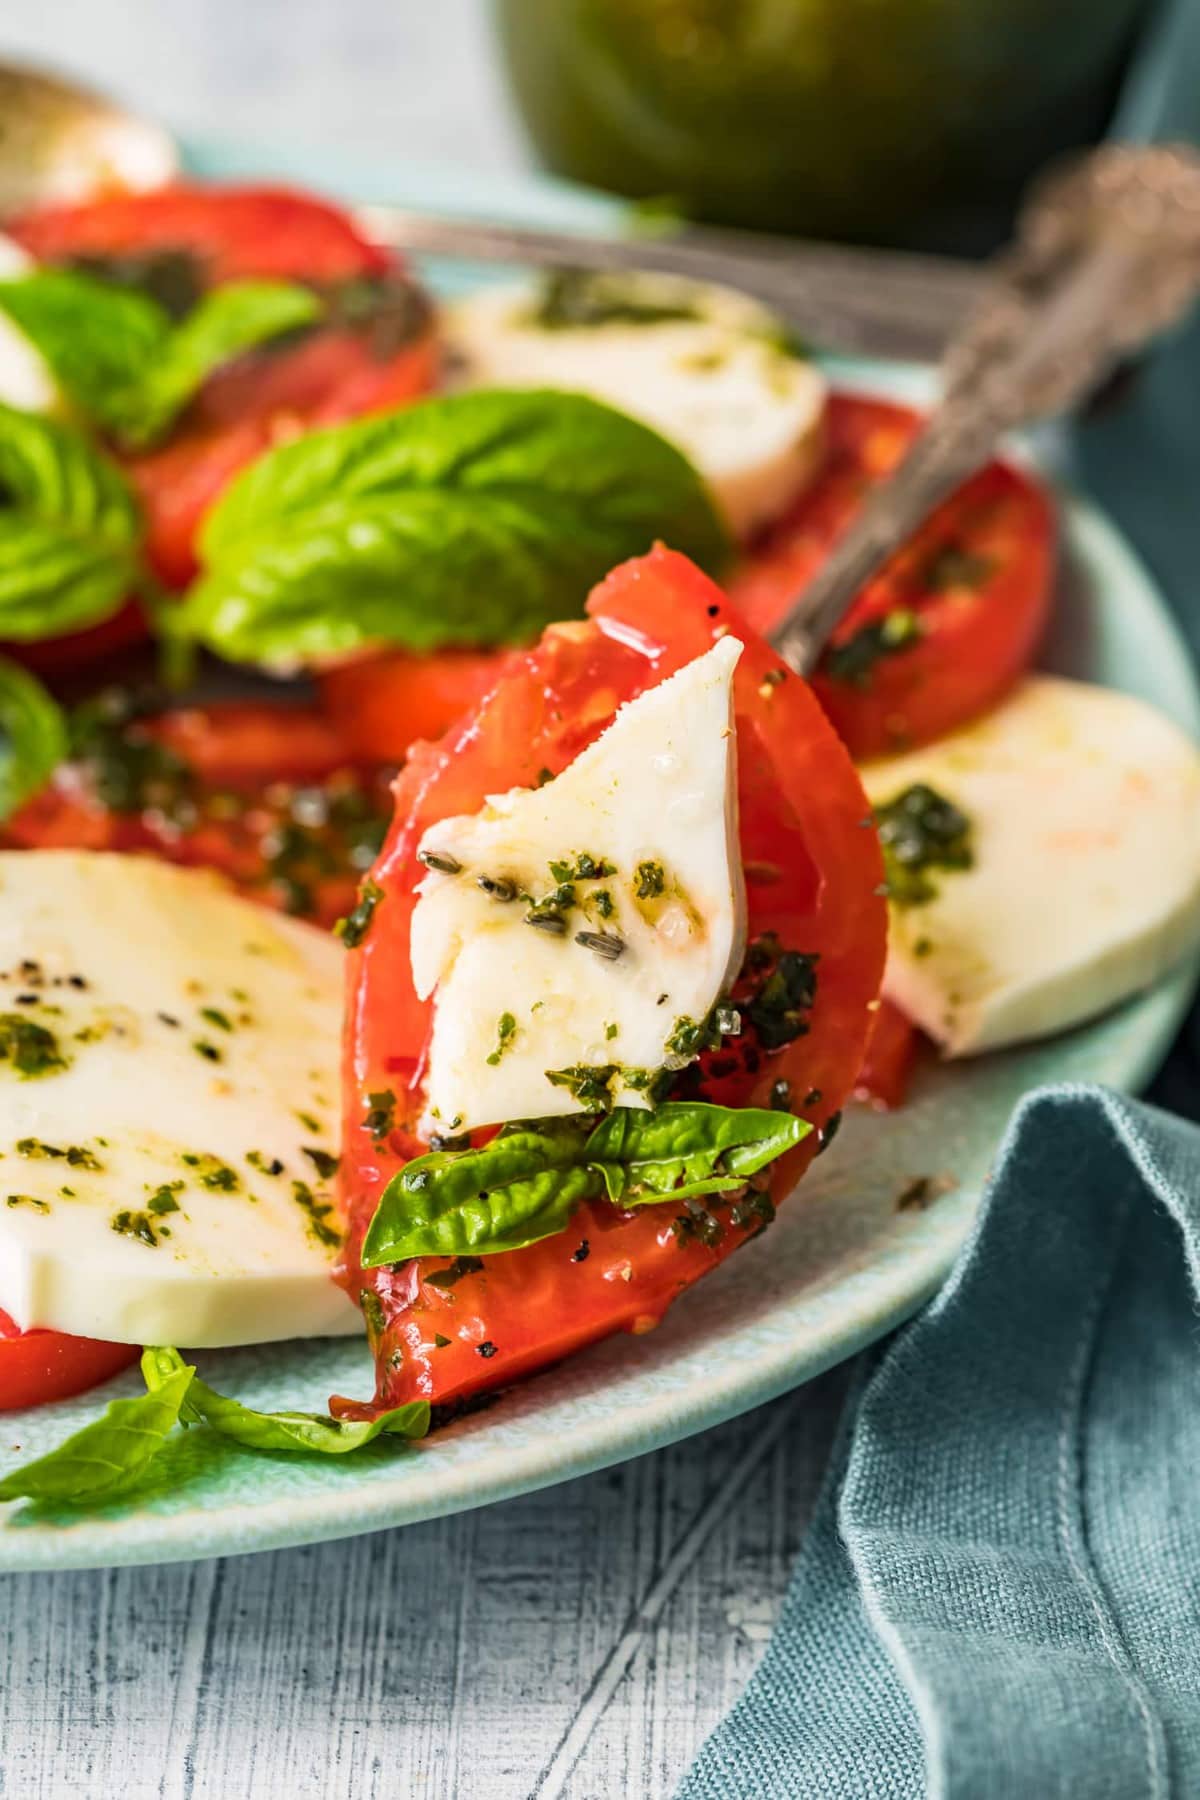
{"x": 853, "y": 661}
{"x": 32, "y": 1049}
{"x": 919, "y": 831}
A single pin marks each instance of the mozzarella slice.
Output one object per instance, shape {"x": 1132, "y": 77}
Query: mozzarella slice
{"x": 1085, "y": 889}
{"x": 654, "y": 803}
{"x": 25, "y": 379}
{"x": 745, "y": 412}
{"x": 168, "y": 1057}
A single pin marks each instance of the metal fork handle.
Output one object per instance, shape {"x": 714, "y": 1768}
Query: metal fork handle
{"x": 1106, "y": 256}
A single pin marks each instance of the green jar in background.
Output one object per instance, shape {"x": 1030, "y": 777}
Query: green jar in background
{"x": 887, "y": 121}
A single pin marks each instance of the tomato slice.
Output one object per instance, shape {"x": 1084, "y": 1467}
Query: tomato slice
{"x": 379, "y": 351}
{"x": 266, "y": 795}
{"x": 38, "y": 1366}
{"x": 888, "y": 1064}
{"x": 234, "y": 232}
{"x": 967, "y": 598}
{"x": 813, "y": 875}
{"x": 384, "y": 704}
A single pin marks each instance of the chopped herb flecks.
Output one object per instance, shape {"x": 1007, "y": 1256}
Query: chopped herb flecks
{"x": 381, "y": 1113}
{"x": 139, "y": 1225}
{"x": 77, "y": 1156}
{"x": 920, "y": 830}
{"x": 30, "y": 1048}
{"x": 651, "y": 880}
{"x": 506, "y": 1030}
{"x": 357, "y": 922}
{"x": 854, "y": 660}
{"x": 584, "y": 868}
{"x": 317, "y": 1212}
{"x": 454, "y": 1273}
{"x": 211, "y": 1172}
{"x": 323, "y": 1161}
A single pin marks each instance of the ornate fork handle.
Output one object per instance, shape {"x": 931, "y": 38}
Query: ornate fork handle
{"x": 1107, "y": 255}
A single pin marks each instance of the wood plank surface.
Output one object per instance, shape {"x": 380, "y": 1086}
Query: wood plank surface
{"x": 579, "y": 1642}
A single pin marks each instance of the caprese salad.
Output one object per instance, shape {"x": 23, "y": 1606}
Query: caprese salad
{"x": 495, "y": 962}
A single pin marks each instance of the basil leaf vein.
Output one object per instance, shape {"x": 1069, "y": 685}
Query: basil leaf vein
{"x": 69, "y": 529}
{"x": 33, "y": 736}
{"x": 473, "y": 518}
{"x": 279, "y": 1431}
{"x": 525, "y": 1185}
{"x": 113, "y": 1450}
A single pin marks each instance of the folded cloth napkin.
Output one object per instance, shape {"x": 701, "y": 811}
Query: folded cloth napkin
{"x": 999, "y": 1598}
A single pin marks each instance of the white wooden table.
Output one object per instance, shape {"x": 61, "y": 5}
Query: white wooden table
{"x": 579, "y": 1642}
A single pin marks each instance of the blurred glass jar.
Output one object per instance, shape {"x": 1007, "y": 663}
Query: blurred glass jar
{"x": 887, "y": 121}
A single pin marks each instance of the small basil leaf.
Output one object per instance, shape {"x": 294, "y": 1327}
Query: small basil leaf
{"x": 69, "y": 529}
{"x": 224, "y": 324}
{"x": 684, "y": 1149}
{"x": 281, "y": 1431}
{"x": 98, "y": 340}
{"x": 121, "y": 360}
{"x": 474, "y": 518}
{"x": 527, "y": 1182}
{"x": 33, "y": 736}
{"x": 106, "y": 1454}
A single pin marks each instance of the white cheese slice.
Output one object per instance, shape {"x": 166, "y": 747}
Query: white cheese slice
{"x": 25, "y": 379}
{"x": 200, "y": 1036}
{"x": 653, "y": 800}
{"x": 1085, "y": 812}
{"x": 746, "y": 413}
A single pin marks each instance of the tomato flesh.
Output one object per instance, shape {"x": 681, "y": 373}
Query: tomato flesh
{"x": 889, "y": 1061}
{"x": 973, "y": 585}
{"x": 385, "y": 704}
{"x": 39, "y": 1366}
{"x": 813, "y": 875}
{"x": 266, "y": 795}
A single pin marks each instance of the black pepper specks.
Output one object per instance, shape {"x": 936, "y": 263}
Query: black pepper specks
{"x": 487, "y": 1350}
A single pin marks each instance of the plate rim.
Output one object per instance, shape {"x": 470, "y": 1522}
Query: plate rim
{"x": 666, "y": 1416}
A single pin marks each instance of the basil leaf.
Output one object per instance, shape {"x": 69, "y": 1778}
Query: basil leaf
{"x": 474, "y": 518}
{"x": 69, "y": 529}
{"x": 109, "y": 1452}
{"x": 525, "y": 1184}
{"x": 98, "y": 340}
{"x": 225, "y": 323}
{"x": 684, "y": 1149}
{"x": 33, "y": 736}
{"x": 119, "y": 357}
{"x": 284, "y": 1431}
{"x": 520, "y": 1188}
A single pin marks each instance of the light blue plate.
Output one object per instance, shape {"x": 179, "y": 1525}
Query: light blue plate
{"x": 840, "y": 1266}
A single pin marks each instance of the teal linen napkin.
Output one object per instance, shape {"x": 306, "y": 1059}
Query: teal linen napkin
{"x": 999, "y": 1598}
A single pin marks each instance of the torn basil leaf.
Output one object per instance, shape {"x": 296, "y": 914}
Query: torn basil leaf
{"x": 526, "y": 1184}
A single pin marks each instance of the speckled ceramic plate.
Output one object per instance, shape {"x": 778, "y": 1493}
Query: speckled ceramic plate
{"x": 840, "y": 1266}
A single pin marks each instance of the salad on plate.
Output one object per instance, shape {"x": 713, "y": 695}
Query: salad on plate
{"x": 429, "y": 908}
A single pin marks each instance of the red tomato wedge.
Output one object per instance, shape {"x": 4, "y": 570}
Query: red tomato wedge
{"x": 966, "y": 599}
{"x": 266, "y": 795}
{"x": 382, "y": 354}
{"x": 891, "y": 1053}
{"x": 383, "y": 705}
{"x": 235, "y": 232}
{"x": 813, "y": 874}
{"x": 38, "y": 1366}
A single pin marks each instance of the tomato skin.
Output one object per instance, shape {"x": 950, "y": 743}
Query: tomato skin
{"x": 813, "y": 876}
{"x": 976, "y": 637}
{"x": 384, "y": 704}
{"x": 237, "y": 232}
{"x": 262, "y": 399}
{"x": 40, "y": 1366}
{"x": 890, "y": 1056}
